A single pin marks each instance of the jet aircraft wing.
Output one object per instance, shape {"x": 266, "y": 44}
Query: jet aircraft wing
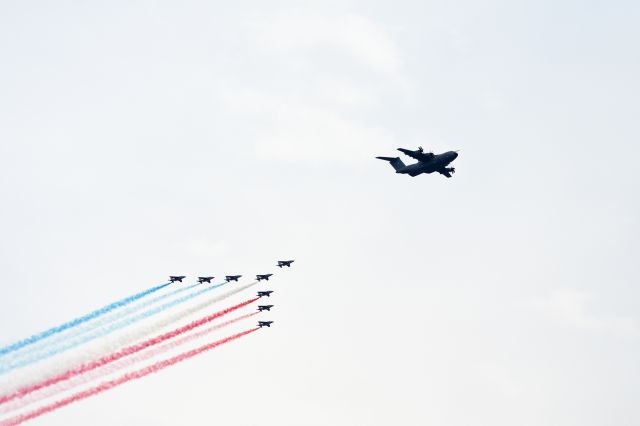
{"x": 418, "y": 155}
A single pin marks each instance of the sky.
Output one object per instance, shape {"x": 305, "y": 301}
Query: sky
{"x": 143, "y": 139}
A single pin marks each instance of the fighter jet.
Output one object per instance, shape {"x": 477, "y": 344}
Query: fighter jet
{"x": 287, "y": 263}
{"x": 232, "y": 277}
{"x": 263, "y": 277}
{"x": 205, "y": 279}
{"x": 173, "y": 279}
{"x": 428, "y": 162}
{"x": 265, "y": 293}
{"x": 265, "y": 324}
{"x": 264, "y": 307}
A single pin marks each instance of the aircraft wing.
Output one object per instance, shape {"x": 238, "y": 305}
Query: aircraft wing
{"x": 445, "y": 172}
{"x": 420, "y": 156}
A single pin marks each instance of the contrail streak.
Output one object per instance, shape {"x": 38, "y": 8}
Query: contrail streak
{"x": 43, "y": 335}
{"x": 67, "y": 380}
{"x": 51, "y": 369}
{"x": 102, "y": 320}
{"x": 128, "y": 377}
{"x": 29, "y": 359}
{"x": 130, "y": 350}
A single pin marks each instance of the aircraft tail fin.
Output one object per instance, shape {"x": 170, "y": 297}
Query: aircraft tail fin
{"x": 395, "y": 162}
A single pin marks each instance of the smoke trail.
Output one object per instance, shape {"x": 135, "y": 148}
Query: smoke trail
{"x": 128, "y": 377}
{"x": 106, "y": 319}
{"x": 50, "y": 370}
{"x": 31, "y": 358}
{"x": 41, "y": 391}
{"x": 130, "y": 350}
{"x": 43, "y": 335}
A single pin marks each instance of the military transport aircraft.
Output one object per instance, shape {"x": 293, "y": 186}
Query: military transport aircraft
{"x": 263, "y": 277}
{"x": 232, "y": 277}
{"x": 428, "y": 162}
{"x": 265, "y": 293}
{"x": 287, "y": 263}
{"x": 265, "y": 324}
{"x": 264, "y": 307}
{"x": 205, "y": 279}
{"x": 173, "y": 279}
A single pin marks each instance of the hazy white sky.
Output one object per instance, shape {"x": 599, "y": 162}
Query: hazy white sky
{"x": 142, "y": 139}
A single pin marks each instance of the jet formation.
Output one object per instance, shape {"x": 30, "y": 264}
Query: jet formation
{"x": 428, "y": 162}
{"x": 229, "y": 278}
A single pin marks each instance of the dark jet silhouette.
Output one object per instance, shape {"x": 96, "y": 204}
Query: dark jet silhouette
{"x": 287, "y": 263}
{"x": 264, "y": 323}
{"x": 232, "y": 277}
{"x": 265, "y": 293}
{"x": 263, "y": 277}
{"x": 205, "y": 279}
{"x": 173, "y": 279}
{"x": 264, "y": 307}
{"x": 428, "y": 162}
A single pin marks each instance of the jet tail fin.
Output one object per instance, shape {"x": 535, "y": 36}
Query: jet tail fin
{"x": 395, "y": 162}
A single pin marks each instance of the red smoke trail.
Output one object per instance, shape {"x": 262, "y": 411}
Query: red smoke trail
{"x": 40, "y": 372}
{"x": 114, "y": 367}
{"x": 82, "y": 368}
{"x": 105, "y": 386}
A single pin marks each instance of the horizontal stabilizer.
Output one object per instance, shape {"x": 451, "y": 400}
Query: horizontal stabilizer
{"x": 394, "y": 161}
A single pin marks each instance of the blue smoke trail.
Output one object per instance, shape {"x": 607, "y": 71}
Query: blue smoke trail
{"x": 73, "y": 323}
{"x": 8, "y": 366}
{"x": 106, "y": 319}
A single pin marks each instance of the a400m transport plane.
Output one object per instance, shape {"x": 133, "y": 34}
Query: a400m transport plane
{"x": 428, "y": 162}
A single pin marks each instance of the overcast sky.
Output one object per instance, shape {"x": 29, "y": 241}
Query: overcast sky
{"x": 142, "y": 139}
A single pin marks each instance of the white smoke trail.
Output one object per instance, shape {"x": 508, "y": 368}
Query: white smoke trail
{"x": 114, "y": 367}
{"x": 42, "y": 371}
{"x": 95, "y": 323}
